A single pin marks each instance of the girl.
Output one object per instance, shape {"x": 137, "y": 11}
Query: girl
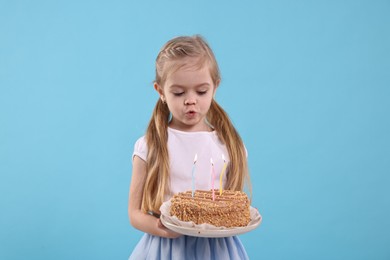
{"x": 186, "y": 121}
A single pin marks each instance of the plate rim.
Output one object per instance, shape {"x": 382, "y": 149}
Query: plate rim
{"x": 200, "y": 232}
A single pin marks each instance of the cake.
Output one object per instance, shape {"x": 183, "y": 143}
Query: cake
{"x": 230, "y": 209}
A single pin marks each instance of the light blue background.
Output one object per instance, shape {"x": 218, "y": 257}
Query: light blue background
{"x": 305, "y": 82}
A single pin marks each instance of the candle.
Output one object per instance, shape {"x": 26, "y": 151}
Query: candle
{"x": 193, "y": 174}
{"x": 221, "y": 175}
{"x": 212, "y": 177}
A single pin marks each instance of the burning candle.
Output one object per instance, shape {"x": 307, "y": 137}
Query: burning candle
{"x": 193, "y": 174}
{"x": 221, "y": 175}
{"x": 212, "y": 177}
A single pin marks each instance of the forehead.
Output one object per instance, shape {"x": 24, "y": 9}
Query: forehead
{"x": 189, "y": 72}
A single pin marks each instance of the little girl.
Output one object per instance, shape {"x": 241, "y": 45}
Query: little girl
{"x": 186, "y": 121}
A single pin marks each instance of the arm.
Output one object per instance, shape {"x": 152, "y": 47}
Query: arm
{"x": 139, "y": 219}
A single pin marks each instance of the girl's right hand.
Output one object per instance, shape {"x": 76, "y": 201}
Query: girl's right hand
{"x": 139, "y": 219}
{"x": 167, "y": 232}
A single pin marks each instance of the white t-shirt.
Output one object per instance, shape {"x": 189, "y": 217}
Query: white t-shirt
{"x": 182, "y": 147}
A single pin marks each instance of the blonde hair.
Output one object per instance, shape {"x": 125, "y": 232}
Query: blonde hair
{"x": 157, "y": 162}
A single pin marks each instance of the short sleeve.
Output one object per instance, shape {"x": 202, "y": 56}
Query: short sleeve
{"x": 141, "y": 148}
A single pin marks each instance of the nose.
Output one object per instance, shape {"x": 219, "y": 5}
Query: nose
{"x": 190, "y": 101}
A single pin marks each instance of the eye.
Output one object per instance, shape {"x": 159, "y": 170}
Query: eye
{"x": 202, "y": 92}
{"x": 178, "y": 94}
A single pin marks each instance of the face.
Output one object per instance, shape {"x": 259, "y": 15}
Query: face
{"x": 188, "y": 93}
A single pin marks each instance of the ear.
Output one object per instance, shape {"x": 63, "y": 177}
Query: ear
{"x": 158, "y": 88}
{"x": 216, "y": 86}
{"x": 217, "y": 83}
{"x": 160, "y": 91}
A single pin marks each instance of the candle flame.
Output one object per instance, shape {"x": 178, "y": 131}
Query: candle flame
{"x": 195, "y": 158}
{"x": 223, "y": 158}
{"x": 211, "y": 161}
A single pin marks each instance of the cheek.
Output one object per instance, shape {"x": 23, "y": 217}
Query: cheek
{"x": 205, "y": 104}
{"x": 173, "y": 104}
{"x": 208, "y": 99}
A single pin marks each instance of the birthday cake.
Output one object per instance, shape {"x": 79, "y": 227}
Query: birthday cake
{"x": 230, "y": 209}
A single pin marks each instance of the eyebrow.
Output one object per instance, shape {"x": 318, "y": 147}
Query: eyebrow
{"x": 196, "y": 86}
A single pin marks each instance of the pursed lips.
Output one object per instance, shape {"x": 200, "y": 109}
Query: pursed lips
{"x": 190, "y": 112}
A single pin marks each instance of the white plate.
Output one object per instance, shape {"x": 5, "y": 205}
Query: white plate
{"x": 206, "y": 230}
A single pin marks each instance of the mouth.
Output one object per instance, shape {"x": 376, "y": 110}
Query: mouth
{"x": 190, "y": 113}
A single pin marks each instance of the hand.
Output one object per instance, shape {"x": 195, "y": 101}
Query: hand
{"x": 167, "y": 232}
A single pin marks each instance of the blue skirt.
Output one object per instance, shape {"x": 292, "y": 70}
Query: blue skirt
{"x": 188, "y": 247}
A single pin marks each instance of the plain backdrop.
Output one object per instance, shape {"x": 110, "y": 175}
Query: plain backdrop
{"x": 307, "y": 84}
